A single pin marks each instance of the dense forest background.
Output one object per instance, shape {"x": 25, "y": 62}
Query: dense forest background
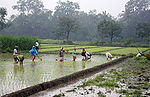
{"x": 67, "y": 22}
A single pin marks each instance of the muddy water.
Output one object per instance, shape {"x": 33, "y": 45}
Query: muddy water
{"x": 14, "y": 77}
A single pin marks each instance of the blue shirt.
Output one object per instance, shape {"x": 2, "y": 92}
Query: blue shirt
{"x": 74, "y": 53}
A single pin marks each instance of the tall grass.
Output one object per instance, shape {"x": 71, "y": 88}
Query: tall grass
{"x": 8, "y": 42}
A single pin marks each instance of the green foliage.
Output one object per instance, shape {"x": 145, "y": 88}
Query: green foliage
{"x": 24, "y": 42}
{"x": 143, "y": 31}
{"x": 139, "y": 58}
{"x": 3, "y": 13}
{"x": 136, "y": 93}
{"x": 136, "y": 6}
{"x": 67, "y": 25}
{"x": 98, "y": 43}
{"x": 144, "y": 61}
{"x": 100, "y": 81}
{"x": 100, "y": 94}
{"x": 69, "y": 42}
{"x": 54, "y": 46}
{"x": 109, "y": 28}
{"x": 68, "y": 8}
{"x": 29, "y": 6}
{"x": 123, "y": 91}
{"x": 9, "y": 50}
{"x": 127, "y": 42}
{"x": 50, "y": 41}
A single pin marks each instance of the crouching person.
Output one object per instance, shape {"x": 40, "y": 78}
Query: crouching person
{"x": 88, "y": 55}
{"x": 20, "y": 58}
{"x": 139, "y": 54}
{"x": 109, "y": 56}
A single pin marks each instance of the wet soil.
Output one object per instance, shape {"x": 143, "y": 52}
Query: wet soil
{"x": 130, "y": 78}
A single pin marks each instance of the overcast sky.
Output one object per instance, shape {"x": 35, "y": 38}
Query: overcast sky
{"x": 114, "y": 7}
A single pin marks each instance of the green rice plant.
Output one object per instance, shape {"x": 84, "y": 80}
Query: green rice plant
{"x": 96, "y": 49}
{"x": 50, "y": 41}
{"x": 57, "y": 48}
{"x": 100, "y": 94}
{"x": 123, "y": 91}
{"x": 108, "y": 83}
{"x": 133, "y": 93}
{"x": 125, "y": 51}
{"x": 54, "y": 46}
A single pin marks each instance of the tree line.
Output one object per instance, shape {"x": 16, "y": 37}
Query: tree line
{"x": 68, "y": 22}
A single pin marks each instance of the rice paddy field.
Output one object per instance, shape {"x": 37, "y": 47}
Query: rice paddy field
{"x": 14, "y": 77}
{"x": 98, "y": 50}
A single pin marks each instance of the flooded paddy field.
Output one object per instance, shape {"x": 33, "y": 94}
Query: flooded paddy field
{"x": 15, "y": 77}
{"x": 130, "y": 78}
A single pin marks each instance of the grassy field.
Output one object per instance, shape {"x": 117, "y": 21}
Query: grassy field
{"x": 54, "y": 48}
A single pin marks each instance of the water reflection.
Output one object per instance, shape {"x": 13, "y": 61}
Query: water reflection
{"x": 61, "y": 68}
{"x": 18, "y": 69}
{"x": 74, "y": 63}
{"x": 14, "y": 77}
{"x": 83, "y": 64}
{"x": 33, "y": 66}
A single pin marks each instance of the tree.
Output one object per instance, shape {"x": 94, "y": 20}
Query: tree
{"x": 110, "y": 29}
{"x": 136, "y": 6}
{"x": 67, "y": 8}
{"x": 136, "y": 11}
{"x": 143, "y": 31}
{"x": 29, "y": 6}
{"x": 67, "y": 25}
{"x": 65, "y": 18}
{"x": 33, "y": 25}
{"x": 3, "y": 13}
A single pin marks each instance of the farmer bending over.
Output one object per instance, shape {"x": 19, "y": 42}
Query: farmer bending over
{"x": 20, "y": 58}
{"x": 83, "y": 53}
{"x": 109, "y": 56}
{"x": 139, "y": 54}
{"x": 88, "y": 55}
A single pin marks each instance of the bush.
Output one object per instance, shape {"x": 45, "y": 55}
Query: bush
{"x": 142, "y": 60}
{"x": 7, "y": 42}
{"x": 68, "y": 42}
{"x": 139, "y": 58}
{"x": 127, "y": 42}
{"x": 9, "y": 50}
{"x": 98, "y": 43}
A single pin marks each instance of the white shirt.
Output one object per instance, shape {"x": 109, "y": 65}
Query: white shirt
{"x": 138, "y": 55}
{"x": 36, "y": 44}
{"x": 108, "y": 55}
{"x": 15, "y": 52}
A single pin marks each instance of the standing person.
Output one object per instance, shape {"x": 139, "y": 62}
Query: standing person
{"x": 20, "y": 58}
{"x": 83, "y": 53}
{"x": 37, "y": 46}
{"x": 74, "y": 54}
{"x": 15, "y": 53}
{"x": 33, "y": 53}
{"x": 61, "y": 54}
{"x": 109, "y": 56}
